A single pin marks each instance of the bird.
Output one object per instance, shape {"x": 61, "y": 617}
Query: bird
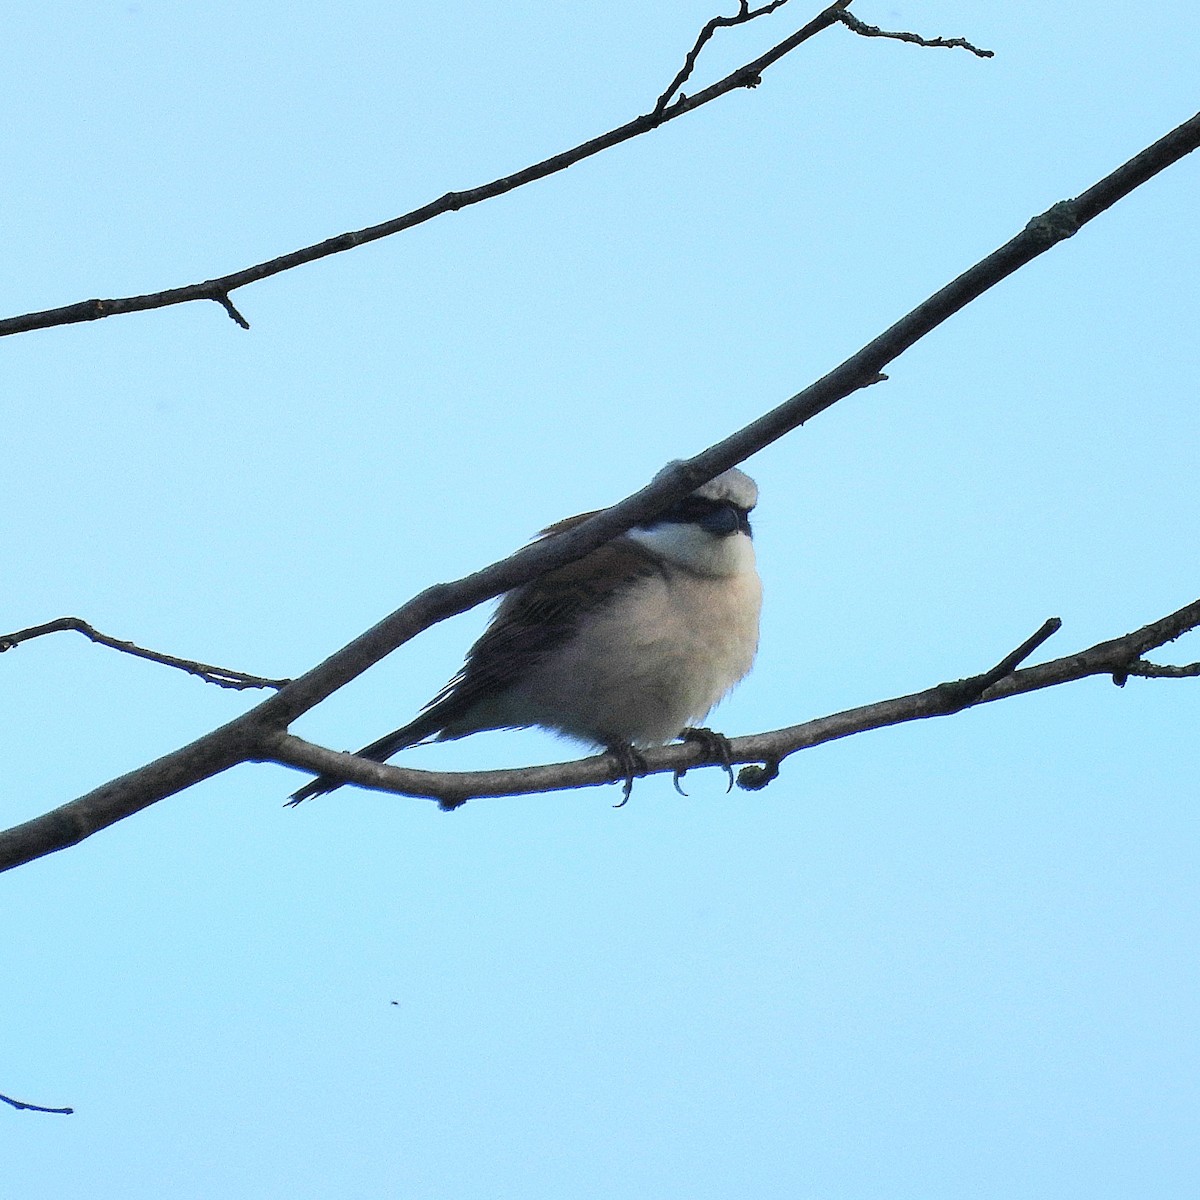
{"x": 626, "y": 648}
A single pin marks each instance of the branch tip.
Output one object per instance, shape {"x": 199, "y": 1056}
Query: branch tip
{"x": 225, "y": 677}
{"x": 26, "y": 1106}
{"x": 852, "y": 23}
{"x": 222, "y": 298}
{"x": 963, "y": 693}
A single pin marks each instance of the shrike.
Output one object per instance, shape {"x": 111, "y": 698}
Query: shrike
{"x": 627, "y": 647}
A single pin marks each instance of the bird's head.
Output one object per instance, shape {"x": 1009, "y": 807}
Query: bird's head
{"x": 707, "y": 531}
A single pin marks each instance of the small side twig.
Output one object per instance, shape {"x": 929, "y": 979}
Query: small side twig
{"x": 1149, "y": 670}
{"x": 743, "y": 14}
{"x": 864, "y": 30}
{"x": 965, "y": 692}
{"x": 224, "y": 677}
{"x": 222, "y": 298}
{"x": 22, "y": 1104}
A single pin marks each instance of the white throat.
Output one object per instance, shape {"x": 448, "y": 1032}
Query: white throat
{"x": 696, "y": 550}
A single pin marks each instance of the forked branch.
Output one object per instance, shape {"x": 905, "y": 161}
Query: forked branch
{"x": 744, "y": 13}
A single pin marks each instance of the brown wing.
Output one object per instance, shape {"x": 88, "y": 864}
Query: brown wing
{"x": 535, "y": 618}
{"x": 529, "y": 622}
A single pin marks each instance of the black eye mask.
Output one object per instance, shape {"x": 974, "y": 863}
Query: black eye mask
{"x": 718, "y": 517}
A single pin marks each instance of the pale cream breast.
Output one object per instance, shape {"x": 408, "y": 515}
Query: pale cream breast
{"x": 651, "y": 662}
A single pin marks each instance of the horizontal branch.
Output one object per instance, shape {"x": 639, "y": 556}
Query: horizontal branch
{"x": 453, "y": 788}
{"x": 246, "y": 736}
{"x": 225, "y": 677}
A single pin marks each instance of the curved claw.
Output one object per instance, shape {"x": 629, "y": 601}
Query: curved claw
{"x": 676, "y": 777}
{"x": 715, "y": 745}
{"x": 631, "y": 764}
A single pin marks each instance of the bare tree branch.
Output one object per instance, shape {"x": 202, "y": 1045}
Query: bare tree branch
{"x": 743, "y": 14}
{"x": 21, "y": 1104}
{"x": 873, "y": 31}
{"x": 224, "y": 677}
{"x": 256, "y": 734}
{"x": 219, "y": 288}
{"x": 450, "y": 789}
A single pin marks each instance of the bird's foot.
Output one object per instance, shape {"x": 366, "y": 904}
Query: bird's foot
{"x": 630, "y": 763}
{"x": 715, "y": 745}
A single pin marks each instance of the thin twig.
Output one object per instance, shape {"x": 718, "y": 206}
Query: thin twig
{"x": 21, "y": 1104}
{"x": 873, "y": 31}
{"x": 222, "y": 298}
{"x": 1006, "y": 666}
{"x": 218, "y": 289}
{"x": 225, "y": 677}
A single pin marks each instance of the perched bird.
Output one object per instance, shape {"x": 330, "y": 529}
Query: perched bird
{"x": 627, "y": 647}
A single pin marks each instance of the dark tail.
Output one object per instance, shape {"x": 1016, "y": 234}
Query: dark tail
{"x": 415, "y": 731}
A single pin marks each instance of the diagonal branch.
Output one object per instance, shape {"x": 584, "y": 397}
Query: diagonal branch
{"x": 219, "y": 288}
{"x": 253, "y": 735}
{"x": 453, "y": 788}
{"x": 224, "y": 677}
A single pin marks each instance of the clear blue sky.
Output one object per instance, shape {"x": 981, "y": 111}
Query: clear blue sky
{"x": 953, "y": 959}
